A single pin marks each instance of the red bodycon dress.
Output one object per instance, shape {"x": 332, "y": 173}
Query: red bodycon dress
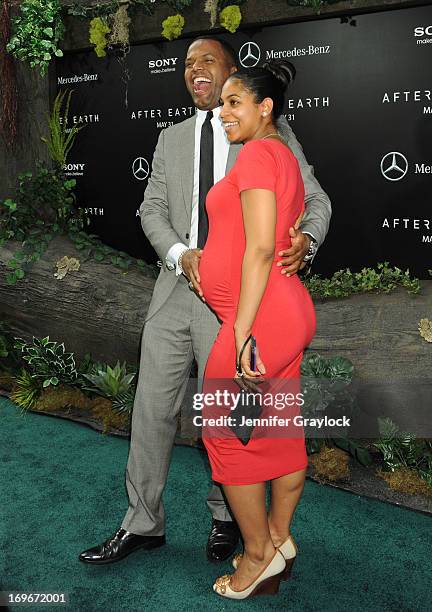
{"x": 285, "y": 322}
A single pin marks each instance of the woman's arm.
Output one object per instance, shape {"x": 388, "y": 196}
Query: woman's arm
{"x": 259, "y": 219}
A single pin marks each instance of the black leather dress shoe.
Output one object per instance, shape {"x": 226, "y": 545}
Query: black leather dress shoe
{"x": 223, "y": 540}
{"x": 120, "y": 546}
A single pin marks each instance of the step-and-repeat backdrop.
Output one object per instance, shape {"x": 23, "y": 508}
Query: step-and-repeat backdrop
{"x": 361, "y": 106}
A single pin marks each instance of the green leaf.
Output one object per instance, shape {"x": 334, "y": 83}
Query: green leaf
{"x": 10, "y": 204}
{"x": 48, "y": 31}
{"x": 58, "y": 53}
{"x": 10, "y": 278}
{"x": 19, "y": 273}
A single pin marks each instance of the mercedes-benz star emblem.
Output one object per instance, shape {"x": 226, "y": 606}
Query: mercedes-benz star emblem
{"x": 394, "y": 166}
{"x": 140, "y": 168}
{"x": 249, "y": 55}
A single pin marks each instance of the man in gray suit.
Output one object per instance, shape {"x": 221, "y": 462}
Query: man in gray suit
{"x": 179, "y": 326}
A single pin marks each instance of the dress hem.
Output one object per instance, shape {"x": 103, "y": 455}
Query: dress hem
{"x": 255, "y": 481}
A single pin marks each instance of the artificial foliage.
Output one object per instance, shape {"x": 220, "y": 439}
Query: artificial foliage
{"x": 230, "y": 18}
{"x": 61, "y": 137}
{"x": 108, "y": 381}
{"x": 343, "y": 283}
{"x": 406, "y": 480}
{"x": 331, "y": 464}
{"x": 43, "y": 207}
{"x": 326, "y": 390}
{"x": 99, "y": 9}
{"x": 26, "y": 390}
{"x": 172, "y": 26}
{"x": 109, "y": 8}
{"x": 120, "y": 26}
{"x": 401, "y": 449}
{"x": 123, "y": 402}
{"x": 48, "y": 361}
{"x": 43, "y": 195}
{"x": 98, "y": 35}
{"x": 37, "y": 30}
{"x": 317, "y": 5}
{"x": 211, "y": 7}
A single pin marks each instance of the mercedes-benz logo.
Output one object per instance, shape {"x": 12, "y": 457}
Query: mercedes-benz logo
{"x": 394, "y": 166}
{"x": 140, "y": 168}
{"x": 249, "y": 55}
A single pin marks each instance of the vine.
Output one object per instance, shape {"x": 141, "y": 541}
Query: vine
{"x": 37, "y": 31}
{"x": 343, "y": 283}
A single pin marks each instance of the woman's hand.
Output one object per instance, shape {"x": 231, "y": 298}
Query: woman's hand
{"x": 240, "y": 339}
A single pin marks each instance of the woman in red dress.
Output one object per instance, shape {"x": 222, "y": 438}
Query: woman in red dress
{"x": 250, "y": 213}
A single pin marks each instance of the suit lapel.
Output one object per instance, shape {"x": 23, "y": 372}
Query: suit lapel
{"x": 187, "y": 157}
{"x": 232, "y": 156}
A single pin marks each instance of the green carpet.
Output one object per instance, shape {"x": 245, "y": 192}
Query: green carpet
{"x": 62, "y": 490}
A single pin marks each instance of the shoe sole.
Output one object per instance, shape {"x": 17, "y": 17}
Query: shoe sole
{"x": 146, "y": 546}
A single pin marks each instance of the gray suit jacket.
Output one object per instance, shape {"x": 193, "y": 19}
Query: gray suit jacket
{"x": 167, "y": 206}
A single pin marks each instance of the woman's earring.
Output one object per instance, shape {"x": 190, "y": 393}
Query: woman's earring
{"x": 264, "y": 114}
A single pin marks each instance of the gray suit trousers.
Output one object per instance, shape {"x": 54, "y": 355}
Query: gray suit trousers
{"x": 183, "y": 328}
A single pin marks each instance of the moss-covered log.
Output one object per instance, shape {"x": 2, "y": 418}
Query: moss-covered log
{"x": 101, "y": 309}
{"x": 98, "y": 309}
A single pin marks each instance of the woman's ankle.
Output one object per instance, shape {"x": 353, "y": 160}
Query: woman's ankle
{"x": 278, "y": 537}
{"x": 260, "y": 554}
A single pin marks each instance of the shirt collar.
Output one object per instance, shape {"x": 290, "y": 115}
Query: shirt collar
{"x": 202, "y": 114}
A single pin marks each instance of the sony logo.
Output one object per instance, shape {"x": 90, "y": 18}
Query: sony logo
{"x": 73, "y": 167}
{"x": 420, "y": 31}
{"x": 160, "y": 63}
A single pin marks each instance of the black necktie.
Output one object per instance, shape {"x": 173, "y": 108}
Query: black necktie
{"x": 206, "y": 178}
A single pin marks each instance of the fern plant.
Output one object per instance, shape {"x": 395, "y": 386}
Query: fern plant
{"x": 61, "y": 138}
{"x": 48, "y": 361}
{"x": 402, "y": 449}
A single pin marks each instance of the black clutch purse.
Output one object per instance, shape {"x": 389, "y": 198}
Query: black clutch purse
{"x": 248, "y": 407}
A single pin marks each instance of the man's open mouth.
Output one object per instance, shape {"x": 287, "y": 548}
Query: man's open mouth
{"x": 201, "y": 85}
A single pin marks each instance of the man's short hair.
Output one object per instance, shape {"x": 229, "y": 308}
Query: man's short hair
{"x": 228, "y": 50}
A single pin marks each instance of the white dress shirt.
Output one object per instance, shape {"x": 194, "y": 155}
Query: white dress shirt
{"x": 220, "y": 158}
